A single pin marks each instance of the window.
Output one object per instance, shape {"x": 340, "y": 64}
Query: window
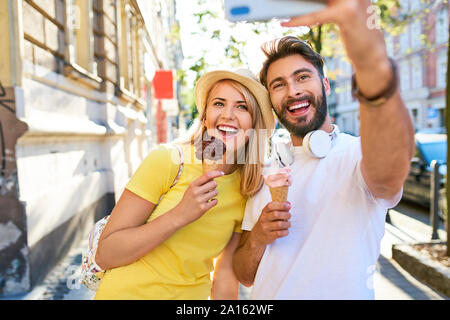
{"x": 404, "y": 75}
{"x": 344, "y": 69}
{"x": 441, "y": 69}
{"x": 345, "y": 124}
{"x": 81, "y": 35}
{"x": 348, "y": 69}
{"x": 414, "y": 6}
{"x": 389, "y": 45}
{"x": 341, "y": 94}
{"x": 344, "y": 93}
{"x": 130, "y": 72}
{"x": 404, "y": 5}
{"x": 125, "y": 56}
{"x": 414, "y": 117}
{"x": 348, "y": 92}
{"x": 442, "y": 26}
{"x": 416, "y": 33}
{"x": 441, "y": 118}
{"x": 404, "y": 40}
{"x": 417, "y": 72}
{"x": 43, "y": 33}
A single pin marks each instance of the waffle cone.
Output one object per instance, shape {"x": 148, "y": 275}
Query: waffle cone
{"x": 209, "y": 165}
{"x": 279, "y": 194}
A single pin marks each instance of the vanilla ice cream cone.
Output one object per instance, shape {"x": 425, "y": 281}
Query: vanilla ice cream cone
{"x": 278, "y": 183}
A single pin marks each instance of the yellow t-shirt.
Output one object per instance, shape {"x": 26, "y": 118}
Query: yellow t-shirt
{"x": 180, "y": 267}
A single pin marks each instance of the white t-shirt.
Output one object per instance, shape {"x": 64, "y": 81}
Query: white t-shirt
{"x": 336, "y": 229}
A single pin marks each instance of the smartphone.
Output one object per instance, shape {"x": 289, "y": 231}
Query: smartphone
{"x": 262, "y": 10}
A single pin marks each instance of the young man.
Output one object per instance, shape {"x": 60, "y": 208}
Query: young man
{"x": 324, "y": 242}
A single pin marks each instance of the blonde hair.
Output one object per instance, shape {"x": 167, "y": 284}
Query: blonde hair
{"x": 255, "y": 149}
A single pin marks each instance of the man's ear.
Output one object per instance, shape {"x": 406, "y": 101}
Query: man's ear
{"x": 326, "y": 84}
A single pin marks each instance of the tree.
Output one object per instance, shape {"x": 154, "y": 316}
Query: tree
{"x": 212, "y": 32}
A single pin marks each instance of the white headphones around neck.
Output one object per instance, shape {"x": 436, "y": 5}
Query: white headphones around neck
{"x": 317, "y": 144}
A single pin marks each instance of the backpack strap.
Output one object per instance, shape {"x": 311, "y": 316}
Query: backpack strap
{"x": 180, "y": 169}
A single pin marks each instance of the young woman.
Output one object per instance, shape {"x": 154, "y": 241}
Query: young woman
{"x": 160, "y": 241}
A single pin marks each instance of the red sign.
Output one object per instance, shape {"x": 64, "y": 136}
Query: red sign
{"x": 163, "y": 84}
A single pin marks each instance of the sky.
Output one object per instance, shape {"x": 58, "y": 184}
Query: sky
{"x": 195, "y": 46}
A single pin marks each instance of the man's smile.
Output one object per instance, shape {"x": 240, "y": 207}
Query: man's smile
{"x": 298, "y": 107}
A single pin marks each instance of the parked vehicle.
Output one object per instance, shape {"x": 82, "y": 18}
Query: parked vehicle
{"x": 429, "y": 147}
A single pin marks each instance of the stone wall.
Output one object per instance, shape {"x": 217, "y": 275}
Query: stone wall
{"x": 14, "y": 266}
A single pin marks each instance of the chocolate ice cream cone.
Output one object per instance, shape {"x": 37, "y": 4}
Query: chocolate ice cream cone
{"x": 210, "y": 150}
{"x": 209, "y": 165}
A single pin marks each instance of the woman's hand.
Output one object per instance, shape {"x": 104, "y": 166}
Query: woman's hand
{"x": 198, "y": 198}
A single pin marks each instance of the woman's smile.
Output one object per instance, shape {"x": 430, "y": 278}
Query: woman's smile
{"x": 227, "y": 131}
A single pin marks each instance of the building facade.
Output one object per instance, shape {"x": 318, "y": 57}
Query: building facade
{"x": 421, "y": 55}
{"x": 76, "y": 119}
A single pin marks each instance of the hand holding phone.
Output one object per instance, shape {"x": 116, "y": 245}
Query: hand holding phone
{"x": 363, "y": 41}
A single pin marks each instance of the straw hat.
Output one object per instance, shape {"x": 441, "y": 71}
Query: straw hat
{"x": 244, "y": 77}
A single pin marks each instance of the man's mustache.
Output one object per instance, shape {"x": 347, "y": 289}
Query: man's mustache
{"x": 294, "y": 100}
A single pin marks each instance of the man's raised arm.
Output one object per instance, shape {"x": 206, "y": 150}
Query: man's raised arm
{"x": 387, "y": 133}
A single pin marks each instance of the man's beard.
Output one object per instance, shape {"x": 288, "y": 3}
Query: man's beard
{"x": 300, "y": 128}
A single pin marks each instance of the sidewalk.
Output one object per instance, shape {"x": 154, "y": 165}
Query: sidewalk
{"x": 62, "y": 283}
{"x": 391, "y": 282}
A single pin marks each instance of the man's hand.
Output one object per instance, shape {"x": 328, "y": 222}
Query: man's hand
{"x": 385, "y": 161}
{"x": 363, "y": 41}
{"x": 273, "y": 223}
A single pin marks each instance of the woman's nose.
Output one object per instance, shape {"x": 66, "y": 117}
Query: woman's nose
{"x": 228, "y": 112}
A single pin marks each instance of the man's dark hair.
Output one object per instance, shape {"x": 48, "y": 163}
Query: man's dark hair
{"x": 288, "y": 46}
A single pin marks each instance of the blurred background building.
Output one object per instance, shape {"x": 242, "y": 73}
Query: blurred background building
{"x": 420, "y": 51}
{"x": 78, "y": 114}
{"x": 87, "y": 87}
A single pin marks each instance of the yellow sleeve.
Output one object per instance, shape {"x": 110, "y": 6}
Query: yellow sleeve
{"x": 238, "y": 228}
{"x": 155, "y": 174}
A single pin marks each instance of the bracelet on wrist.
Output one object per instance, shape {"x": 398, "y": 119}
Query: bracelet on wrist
{"x": 382, "y": 97}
